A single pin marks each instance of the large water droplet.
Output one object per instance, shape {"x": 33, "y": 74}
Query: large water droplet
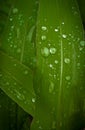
{"x": 53, "y": 50}
{"x": 44, "y": 28}
{"x": 43, "y": 37}
{"x": 67, "y": 60}
{"x": 15, "y": 10}
{"x": 82, "y": 43}
{"x": 64, "y": 35}
{"x": 45, "y": 52}
{"x": 51, "y": 87}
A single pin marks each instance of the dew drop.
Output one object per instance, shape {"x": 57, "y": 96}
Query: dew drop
{"x": 44, "y": 28}
{"x": 64, "y": 36}
{"x": 11, "y": 45}
{"x": 51, "y": 66}
{"x": 0, "y": 75}
{"x": 56, "y": 30}
{"x": 43, "y": 37}
{"x": 68, "y": 77}
{"x": 51, "y": 87}
{"x": 15, "y": 83}
{"x": 12, "y": 27}
{"x": 67, "y": 60}
{"x": 56, "y": 61}
{"x": 82, "y": 43}
{"x": 33, "y": 100}
{"x": 7, "y": 83}
{"x": 15, "y": 64}
{"x": 18, "y": 50}
{"x": 26, "y": 72}
{"x": 78, "y": 64}
{"x": 63, "y": 23}
{"x": 45, "y": 52}
{"x": 11, "y": 19}
{"x": 52, "y": 50}
{"x": 15, "y": 10}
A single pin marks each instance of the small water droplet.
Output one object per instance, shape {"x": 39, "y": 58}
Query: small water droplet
{"x": 18, "y": 50}
{"x": 43, "y": 37}
{"x": 44, "y": 28}
{"x": 15, "y": 83}
{"x": 82, "y": 43}
{"x": 67, "y": 60}
{"x": 53, "y": 50}
{"x": 11, "y": 45}
{"x": 40, "y": 127}
{"x": 45, "y": 52}
{"x": 56, "y": 30}
{"x": 0, "y": 75}
{"x": 26, "y": 72}
{"x": 7, "y": 83}
{"x": 51, "y": 87}
{"x": 80, "y": 48}
{"x": 68, "y": 77}
{"x": 15, "y": 64}
{"x": 11, "y": 19}
{"x": 15, "y": 10}
{"x": 78, "y": 64}
{"x": 63, "y": 23}
{"x": 56, "y": 61}
{"x": 64, "y": 35}
{"x": 12, "y": 27}
{"x": 60, "y": 124}
{"x": 15, "y": 46}
{"x": 33, "y": 100}
{"x": 51, "y": 66}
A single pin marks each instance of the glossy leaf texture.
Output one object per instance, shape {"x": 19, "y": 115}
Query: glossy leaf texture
{"x": 12, "y": 117}
{"x": 17, "y": 50}
{"x": 59, "y": 82}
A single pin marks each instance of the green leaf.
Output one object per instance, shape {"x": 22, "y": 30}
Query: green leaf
{"x": 12, "y": 117}
{"x": 17, "y": 81}
{"x": 17, "y": 45}
{"x": 59, "y": 80}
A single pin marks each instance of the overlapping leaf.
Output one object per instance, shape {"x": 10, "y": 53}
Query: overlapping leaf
{"x": 17, "y": 27}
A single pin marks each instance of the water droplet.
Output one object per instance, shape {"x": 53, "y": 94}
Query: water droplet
{"x": 51, "y": 66}
{"x": 15, "y": 64}
{"x": 44, "y": 28}
{"x": 7, "y": 83}
{"x": 64, "y": 36}
{"x": 33, "y": 100}
{"x": 56, "y": 61}
{"x": 67, "y": 60}
{"x": 80, "y": 48}
{"x": 43, "y": 37}
{"x": 11, "y": 19}
{"x": 12, "y": 27}
{"x": 15, "y": 83}
{"x": 18, "y": 50}
{"x": 26, "y": 72}
{"x": 40, "y": 127}
{"x": 78, "y": 64}
{"x": 56, "y": 30}
{"x": 11, "y": 45}
{"x": 82, "y": 43}
{"x": 0, "y": 75}
{"x": 68, "y": 77}
{"x": 51, "y": 87}
{"x": 53, "y": 50}
{"x": 15, "y": 46}
{"x": 15, "y": 10}
{"x": 63, "y": 23}
{"x": 45, "y": 52}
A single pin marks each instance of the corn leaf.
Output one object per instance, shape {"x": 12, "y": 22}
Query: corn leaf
{"x": 12, "y": 117}
{"x": 17, "y": 55}
{"x": 59, "y": 80}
